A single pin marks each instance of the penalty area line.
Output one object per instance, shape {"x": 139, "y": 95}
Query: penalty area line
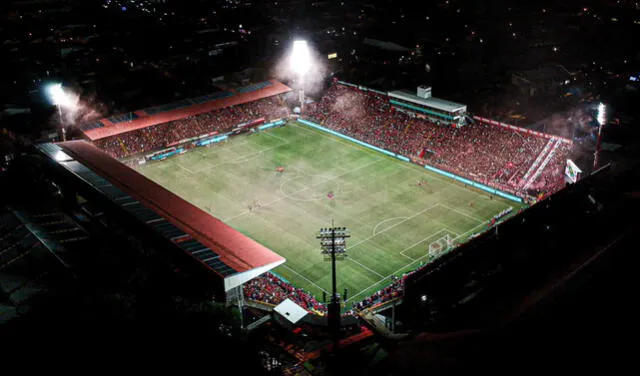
{"x": 184, "y": 168}
{"x": 461, "y": 213}
{"x": 397, "y": 271}
{"x": 366, "y": 267}
{"x": 305, "y": 278}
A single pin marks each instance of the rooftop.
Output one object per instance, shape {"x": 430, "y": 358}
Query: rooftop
{"x": 217, "y": 246}
{"x": 114, "y": 125}
{"x": 437, "y": 103}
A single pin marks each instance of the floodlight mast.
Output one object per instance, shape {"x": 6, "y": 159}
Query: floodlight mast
{"x": 602, "y": 119}
{"x": 59, "y": 98}
{"x": 300, "y": 63}
{"x": 332, "y": 241}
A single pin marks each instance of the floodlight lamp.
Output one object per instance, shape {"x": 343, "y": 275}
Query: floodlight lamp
{"x": 300, "y": 57}
{"x": 57, "y": 95}
{"x": 601, "y": 113}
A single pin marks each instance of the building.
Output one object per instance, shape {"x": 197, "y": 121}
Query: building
{"x": 435, "y": 109}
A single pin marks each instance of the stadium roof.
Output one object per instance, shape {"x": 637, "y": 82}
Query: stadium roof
{"x": 291, "y": 311}
{"x": 29, "y": 263}
{"x": 215, "y": 245}
{"x": 148, "y": 117}
{"x": 439, "y": 104}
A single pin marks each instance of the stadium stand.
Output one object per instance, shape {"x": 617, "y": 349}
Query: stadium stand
{"x": 184, "y": 229}
{"x": 268, "y": 288}
{"x": 506, "y": 158}
{"x": 485, "y": 153}
{"x": 162, "y": 135}
{"x": 181, "y": 109}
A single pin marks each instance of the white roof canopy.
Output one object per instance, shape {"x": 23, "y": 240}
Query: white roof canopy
{"x": 437, "y": 103}
{"x": 291, "y": 311}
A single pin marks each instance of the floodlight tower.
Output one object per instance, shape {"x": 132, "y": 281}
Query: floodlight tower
{"x": 332, "y": 242}
{"x": 60, "y": 99}
{"x": 602, "y": 119}
{"x": 300, "y": 63}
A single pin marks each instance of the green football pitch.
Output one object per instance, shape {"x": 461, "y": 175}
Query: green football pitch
{"x": 392, "y": 218}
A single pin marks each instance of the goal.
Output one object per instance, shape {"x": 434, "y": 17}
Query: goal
{"x": 440, "y": 246}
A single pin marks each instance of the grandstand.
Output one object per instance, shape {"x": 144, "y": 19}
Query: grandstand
{"x": 506, "y": 166}
{"x": 205, "y": 242}
{"x": 499, "y": 155}
{"x": 435, "y": 109}
{"x": 149, "y": 117}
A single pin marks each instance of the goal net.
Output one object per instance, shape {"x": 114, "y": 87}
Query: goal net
{"x": 440, "y": 246}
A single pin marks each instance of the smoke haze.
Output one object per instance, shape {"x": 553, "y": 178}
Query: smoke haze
{"x": 313, "y": 79}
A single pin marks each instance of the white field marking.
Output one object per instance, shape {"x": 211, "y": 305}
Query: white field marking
{"x": 274, "y": 136}
{"x": 243, "y": 158}
{"x": 364, "y": 266}
{"x": 382, "y": 280}
{"x": 305, "y": 278}
{"x": 414, "y": 260}
{"x": 397, "y": 271}
{"x": 407, "y": 165}
{"x": 461, "y": 213}
{"x": 322, "y": 221}
{"x": 320, "y": 197}
{"x": 383, "y": 221}
{"x": 409, "y": 257}
{"x": 472, "y": 230}
{"x": 238, "y": 160}
{"x": 420, "y": 241}
{"x": 455, "y": 234}
{"x": 302, "y": 190}
{"x": 229, "y": 147}
{"x": 394, "y": 225}
{"x": 184, "y": 168}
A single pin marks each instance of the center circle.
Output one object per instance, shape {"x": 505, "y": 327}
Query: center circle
{"x": 310, "y": 188}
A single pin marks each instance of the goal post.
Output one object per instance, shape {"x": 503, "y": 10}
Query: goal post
{"x": 440, "y": 246}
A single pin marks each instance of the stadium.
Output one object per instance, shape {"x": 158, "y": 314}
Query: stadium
{"x": 241, "y": 185}
{"x": 439, "y": 212}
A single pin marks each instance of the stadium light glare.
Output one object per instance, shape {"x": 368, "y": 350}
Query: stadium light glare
{"x": 300, "y": 57}
{"x": 602, "y": 113}
{"x": 58, "y": 96}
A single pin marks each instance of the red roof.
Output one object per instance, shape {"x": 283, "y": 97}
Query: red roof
{"x": 111, "y": 129}
{"x": 236, "y": 250}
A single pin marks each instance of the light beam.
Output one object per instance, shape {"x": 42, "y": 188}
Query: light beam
{"x": 58, "y": 96}
{"x": 300, "y": 60}
{"x": 602, "y": 113}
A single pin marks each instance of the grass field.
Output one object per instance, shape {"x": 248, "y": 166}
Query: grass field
{"x": 392, "y": 219}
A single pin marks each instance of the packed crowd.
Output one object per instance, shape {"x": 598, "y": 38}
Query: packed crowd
{"x": 268, "y": 288}
{"x": 485, "y": 153}
{"x": 161, "y": 135}
{"x": 552, "y": 177}
{"x": 393, "y": 291}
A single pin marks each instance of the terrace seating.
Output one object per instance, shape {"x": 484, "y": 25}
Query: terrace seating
{"x": 488, "y": 154}
{"x": 161, "y": 135}
{"x": 270, "y": 289}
